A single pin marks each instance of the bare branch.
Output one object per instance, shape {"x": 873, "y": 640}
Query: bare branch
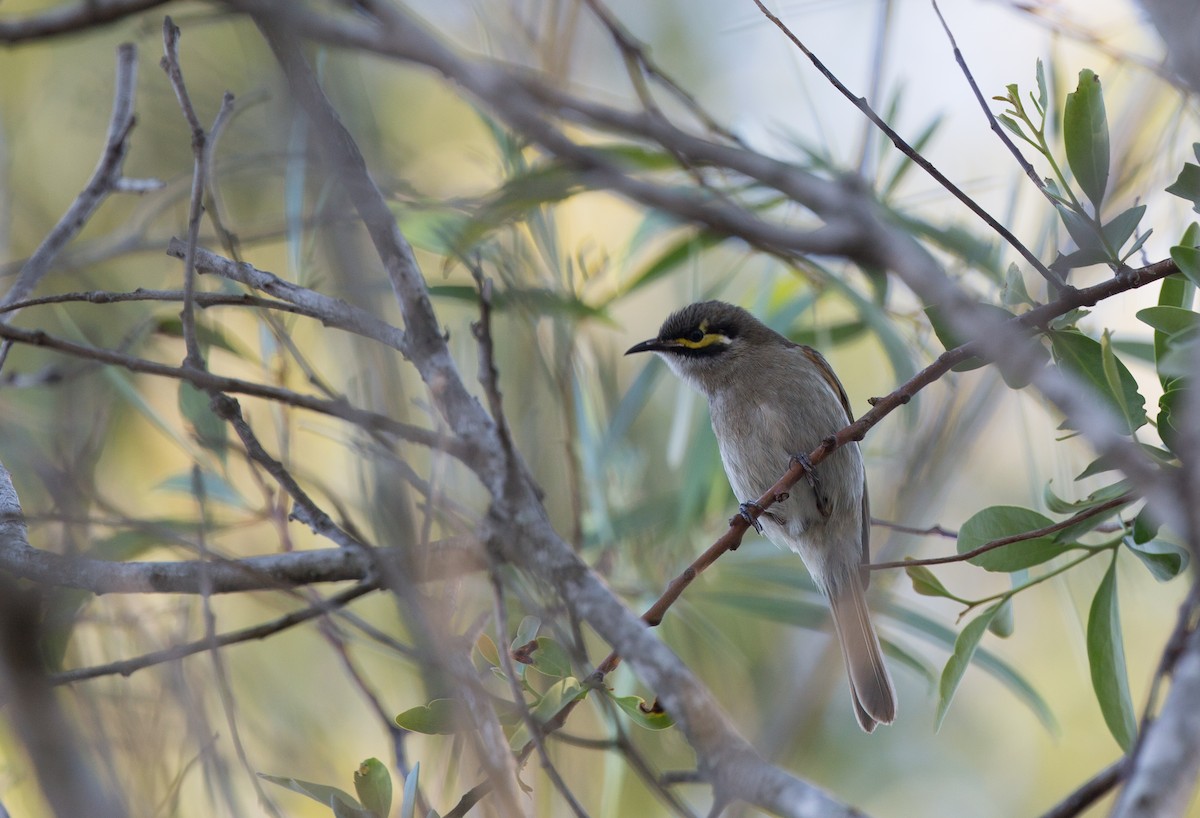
{"x": 68, "y": 19}
{"x": 127, "y": 667}
{"x": 105, "y": 179}
{"x": 444, "y": 559}
{"x": 332, "y": 312}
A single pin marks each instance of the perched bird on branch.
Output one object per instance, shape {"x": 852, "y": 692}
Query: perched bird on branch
{"x": 772, "y": 401}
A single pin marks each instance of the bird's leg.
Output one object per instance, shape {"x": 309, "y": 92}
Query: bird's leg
{"x": 824, "y": 504}
{"x": 744, "y": 513}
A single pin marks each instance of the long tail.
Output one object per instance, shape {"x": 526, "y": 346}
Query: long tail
{"x": 870, "y": 685}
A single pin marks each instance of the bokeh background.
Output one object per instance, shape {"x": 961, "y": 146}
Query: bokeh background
{"x": 623, "y": 450}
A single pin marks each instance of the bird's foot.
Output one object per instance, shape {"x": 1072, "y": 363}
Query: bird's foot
{"x": 744, "y": 513}
{"x": 824, "y": 504}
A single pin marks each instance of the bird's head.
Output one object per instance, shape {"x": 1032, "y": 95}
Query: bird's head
{"x": 705, "y": 343}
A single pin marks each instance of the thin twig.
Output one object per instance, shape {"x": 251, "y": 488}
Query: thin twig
{"x": 127, "y": 667}
{"x": 207, "y": 380}
{"x": 331, "y": 311}
{"x": 914, "y": 155}
{"x": 170, "y": 64}
{"x": 203, "y": 300}
{"x": 104, "y": 181}
{"x": 636, "y": 51}
{"x": 1079, "y": 517}
{"x": 933, "y": 530}
{"x": 987, "y": 112}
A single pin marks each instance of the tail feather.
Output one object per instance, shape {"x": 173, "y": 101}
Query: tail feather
{"x": 870, "y": 685}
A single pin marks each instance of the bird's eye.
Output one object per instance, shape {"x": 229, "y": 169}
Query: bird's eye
{"x": 695, "y": 336}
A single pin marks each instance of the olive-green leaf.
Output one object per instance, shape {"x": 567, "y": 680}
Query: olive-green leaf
{"x": 1164, "y": 560}
{"x": 950, "y": 339}
{"x": 650, "y": 716}
{"x": 925, "y": 583}
{"x": 1169, "y": 320}
{"x": 1170, "y": 407}
{"x": 1188, "y": 261}
{"x": 1187, "y": 185}
{"x": 1085, "y": 358}
{"x": 1085, "y": 134}
{"x": 550, "y": 658}
{"x": 487, "y": 650}
{"x": 439, "y": 717}
{"x": 1106, "y": 658}
{"x": 1121, "y": 227}
{"x": 956, "y": 665}
{"x": 373, "y": 784}
{"x": 998, "y": 522}
{"x": 1173, "y": 293}
{"x": 321, "y": 793}
{"x": 208, "y": 430}
{"x": 1145, "y": 526}
{"x": 1004, "y": 622}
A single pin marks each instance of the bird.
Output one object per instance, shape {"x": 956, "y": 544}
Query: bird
{"x": 772, "y": 401}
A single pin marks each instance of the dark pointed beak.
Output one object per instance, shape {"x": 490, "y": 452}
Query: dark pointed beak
{"x": 653, "y": 345}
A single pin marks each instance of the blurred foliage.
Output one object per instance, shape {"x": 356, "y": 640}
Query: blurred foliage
{"x": 124, "y": 467}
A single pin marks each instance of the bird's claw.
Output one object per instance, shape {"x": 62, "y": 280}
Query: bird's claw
{"x": 824, "y": 504}
{"x": 744, "y": 513}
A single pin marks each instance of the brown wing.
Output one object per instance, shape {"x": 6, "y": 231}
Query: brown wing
{"x": 822, "y": 365}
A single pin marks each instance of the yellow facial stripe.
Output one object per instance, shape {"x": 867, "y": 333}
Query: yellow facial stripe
{"x": 709, "y": 339}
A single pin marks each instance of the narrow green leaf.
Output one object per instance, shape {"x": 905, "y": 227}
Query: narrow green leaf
{"x": 408, "y": 806}
{"x": 1043, "y": 99}
{"x": 1121, "y": 227}
{"x": 1085, "y": 134}
{"x": 216, "y": 488}
{"x": 1060, "y": 505}
{"x": 680, "y": 252}
{"x": 1011, "y": 126}
{"x": 1106, "y": 658}
{"x": 1170, "y": 409}
{"x": 1105, "y": 462}
{"x": 1085, "y": 358}
{"x": 998, "y": 522}
{"x": 1084, "y": 233}
{"x": 1112, "y": 377}
{"x": 321, "y": 793}
{"x": 373, "y": 784}
{"x": 343, "y": 810}
{"x": 956, "y": 666}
